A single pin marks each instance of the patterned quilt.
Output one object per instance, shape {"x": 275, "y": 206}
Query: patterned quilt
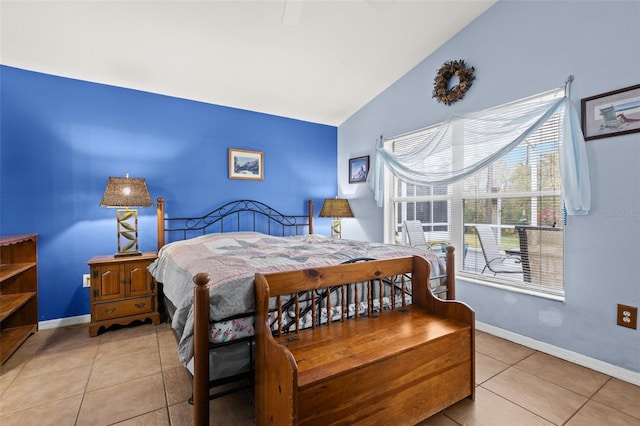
{"x": 232, "y": 260}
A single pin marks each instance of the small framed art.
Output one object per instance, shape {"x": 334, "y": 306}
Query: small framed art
{"x": 358, "y": 169}
{"x": 611, "y": 114}
{"x": 246, "y": 164}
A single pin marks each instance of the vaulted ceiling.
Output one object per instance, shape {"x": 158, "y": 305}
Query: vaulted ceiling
{"x": 312, "y": 60}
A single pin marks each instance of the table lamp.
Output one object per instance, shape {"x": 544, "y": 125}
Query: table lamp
{"x": 336, "y": 208}
{"x": 126, "y": 192}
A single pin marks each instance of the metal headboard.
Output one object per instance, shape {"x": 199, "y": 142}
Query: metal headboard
{"x": 241, "y": 215}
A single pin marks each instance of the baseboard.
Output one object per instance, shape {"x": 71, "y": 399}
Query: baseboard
{"x": 574, "y": 357}
{"x": 64, "y": 322}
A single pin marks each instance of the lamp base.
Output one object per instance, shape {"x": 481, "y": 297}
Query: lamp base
{"x": 336, "y": 228}
{"x": 127, "y": 233}
{"x": 128, "y": 253}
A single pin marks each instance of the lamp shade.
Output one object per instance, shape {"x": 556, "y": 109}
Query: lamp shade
{"x": 336, "y": 207}
{"x": 126, "y": 192}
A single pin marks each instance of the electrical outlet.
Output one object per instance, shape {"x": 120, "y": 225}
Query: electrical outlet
{"x": 628, "y": 316}
{"x": 86, "y": 280}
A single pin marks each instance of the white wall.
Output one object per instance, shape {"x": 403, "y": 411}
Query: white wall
{"x": 520, "y": 48}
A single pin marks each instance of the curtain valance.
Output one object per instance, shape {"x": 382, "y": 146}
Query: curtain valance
{"x": 497, "y": 130}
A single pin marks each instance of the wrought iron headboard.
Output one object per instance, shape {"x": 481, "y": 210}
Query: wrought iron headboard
{"x": 241, "y": 215}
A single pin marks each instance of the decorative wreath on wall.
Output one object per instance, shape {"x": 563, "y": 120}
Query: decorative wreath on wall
{"x": 450, "y": 69}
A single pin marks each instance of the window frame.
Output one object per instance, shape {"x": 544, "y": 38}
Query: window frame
{"x": 455, "y": 198}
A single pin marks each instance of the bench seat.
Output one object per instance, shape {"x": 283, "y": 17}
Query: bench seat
{"x": 326, "y": 351}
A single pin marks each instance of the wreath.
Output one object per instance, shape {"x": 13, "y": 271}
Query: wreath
{"x": 445, "y": 73}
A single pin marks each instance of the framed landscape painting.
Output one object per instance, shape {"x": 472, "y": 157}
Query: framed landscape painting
{"x": 611, "y": 114}
{"x": 246, "y": 164}
{"x": 358, "y": 169}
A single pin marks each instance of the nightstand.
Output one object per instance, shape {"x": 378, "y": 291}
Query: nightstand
{"x": 122, "y": 291}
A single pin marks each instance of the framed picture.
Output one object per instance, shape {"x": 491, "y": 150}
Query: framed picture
{"x": 358, "y": 169}
{"x": 611, "y": 114}
{"x": 246, "y": 164}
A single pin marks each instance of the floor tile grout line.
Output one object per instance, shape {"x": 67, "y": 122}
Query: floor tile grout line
{"x": 590, "y": 399}
{"x": 29, "y": 358}
{"x": 86, "y": 385}
{"x": 608, "y": 378}
{"x": 518, "y": 405}
{"x": 164, "y": 383}
{"x": 164, "y": 389}
{"x": 39, "y": 405}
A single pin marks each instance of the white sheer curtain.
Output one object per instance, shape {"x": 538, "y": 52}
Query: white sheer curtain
{"x": 497, "y": 130}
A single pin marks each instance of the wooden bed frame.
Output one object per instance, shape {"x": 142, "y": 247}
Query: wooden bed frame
{"x": 229, "y": 216}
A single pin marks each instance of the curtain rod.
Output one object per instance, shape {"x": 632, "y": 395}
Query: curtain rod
{"x": 567, "y": 86}
{"x": 567, "y": 93}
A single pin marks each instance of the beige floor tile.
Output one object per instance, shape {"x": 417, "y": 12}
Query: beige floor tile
{"x": 620, "y": 395}
{"x": 123, "y": 401}
{"x": 14, "y": 364}
{"x": 487, "y": 367}
{"x": 500, "y": 349}
{"x": 234, "y": 409}
{"x": 127, "y": 344}
{"x": 594, "y": 413}
{"x": 166, "y": 335}
{"x": 21, "y": 357}
{"x": 169, "y": 357}
{"x": 10, "y": 370}
{"x": 48, "y": 362}
{"x": 543, "y": 398}
{"x": 60, "y": 412}
{"x": 570, "y": 376}
{"x": 231, "y": 410}
{"x": 33, "y": 343}
{"x": 124, "y": 332}
{"x": 492, "y": 410}
{"x": 37, "y": 390}
{"x": 114, "y": 369}
{"x": 155, "y": 418}
{"x": 6, "y": 380}
{"x": 438, "y": 419}
{"x": 67, "y": 338}
{"x": 178, "y": 385}
{"x": 181, "y": 414}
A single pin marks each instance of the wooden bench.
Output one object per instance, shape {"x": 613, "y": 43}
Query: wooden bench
{"x": 391, "y": 366}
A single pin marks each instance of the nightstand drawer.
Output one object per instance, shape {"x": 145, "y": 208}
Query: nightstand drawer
{"x": 123, "y": 308}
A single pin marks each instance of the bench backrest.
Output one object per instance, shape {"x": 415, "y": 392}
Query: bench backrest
{"x": 306, "y": 298}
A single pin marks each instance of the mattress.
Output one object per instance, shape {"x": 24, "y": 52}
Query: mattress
{"x": 233, "y": 259}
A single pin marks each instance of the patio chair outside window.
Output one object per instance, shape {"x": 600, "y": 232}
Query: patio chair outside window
{"x": 415, "y": 234}
{"x": 494, "y": 258}
{"x": 542, "y": 255}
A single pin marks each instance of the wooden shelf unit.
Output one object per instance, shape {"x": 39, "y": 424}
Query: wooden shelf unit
{"x": 18, "y": 291}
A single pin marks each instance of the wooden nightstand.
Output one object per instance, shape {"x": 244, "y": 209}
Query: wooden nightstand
{"x": 122, "y": 291}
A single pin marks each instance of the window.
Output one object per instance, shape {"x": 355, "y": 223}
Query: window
{"x": 507, "y": 217}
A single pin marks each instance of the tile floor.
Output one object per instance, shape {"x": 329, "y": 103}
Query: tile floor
{"x": 132, "y": 376}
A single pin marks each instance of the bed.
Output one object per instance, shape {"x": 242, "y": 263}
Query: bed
{"x": 222, "y": 251}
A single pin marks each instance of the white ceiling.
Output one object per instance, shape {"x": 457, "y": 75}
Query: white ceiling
{"x": 312, "y": 60}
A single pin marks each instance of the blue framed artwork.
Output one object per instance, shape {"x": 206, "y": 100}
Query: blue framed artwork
{"x": 358, "y": 169}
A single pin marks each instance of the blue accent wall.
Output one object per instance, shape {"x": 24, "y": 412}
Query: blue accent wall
{"x": 62, "y": 138}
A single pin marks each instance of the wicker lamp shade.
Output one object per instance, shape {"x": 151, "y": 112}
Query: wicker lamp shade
{"x": 126, "y": 192}
{"x": 336, "y": 207}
